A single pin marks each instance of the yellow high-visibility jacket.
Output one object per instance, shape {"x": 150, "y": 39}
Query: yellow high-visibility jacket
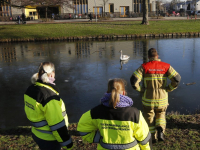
{"x": 155, "y": 89}
{"x": 47, "y": 114}
{"x": 120, "y": 128}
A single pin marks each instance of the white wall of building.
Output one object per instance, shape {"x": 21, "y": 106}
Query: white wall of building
{"x": 192, "y": 5}
{"x": 198, "y": 5}
{"x": 16, "y": 11}
{"x": 117, "y": 4}
{"x": 153, "y": 6}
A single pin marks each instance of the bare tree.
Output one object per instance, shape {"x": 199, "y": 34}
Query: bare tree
{"x": 104, "y": 6}
{"x": 145, "y": 13}
{"x": 24, "y": 3}
{"x": 39, "y": 3}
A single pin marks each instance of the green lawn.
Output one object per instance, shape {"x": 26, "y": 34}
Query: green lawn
{"x": 182, "y": 133}
{"x": 85, "y": 29}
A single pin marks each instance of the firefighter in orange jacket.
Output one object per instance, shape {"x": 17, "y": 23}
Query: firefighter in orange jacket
{"x": 155, "y": 91}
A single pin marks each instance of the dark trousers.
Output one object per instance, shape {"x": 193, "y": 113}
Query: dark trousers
{"x": 46, "y": 145}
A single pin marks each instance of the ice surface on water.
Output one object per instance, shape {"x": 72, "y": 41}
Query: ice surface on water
{"x": 83, "y": 69}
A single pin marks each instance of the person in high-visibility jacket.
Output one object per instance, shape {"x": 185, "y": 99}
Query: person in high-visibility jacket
{"x": 46, "y": 111}
{"x": 115, "y": 124}
{"x": 155, "y": 90}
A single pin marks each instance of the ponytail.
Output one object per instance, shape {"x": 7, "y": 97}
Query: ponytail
{"x": 115, "y": 98}
{"x": 115, "y": 87}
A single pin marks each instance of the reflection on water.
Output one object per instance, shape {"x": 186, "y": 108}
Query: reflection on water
{"x": 83, "y": 69}
{"x": 122, "y": 62}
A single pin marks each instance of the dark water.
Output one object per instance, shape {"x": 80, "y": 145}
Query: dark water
{"x": 84, "y": 68}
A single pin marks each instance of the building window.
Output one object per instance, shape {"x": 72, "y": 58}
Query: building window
{"x": 32, "y": 13}
{"x": 5, "y": 8}
{"x": 124, "y": 11}
{"x": 80, "y": 9}
{"x": 10, "y": 11}
{"x": 83, "y": 11}
{"x": 140, "y": 6}
{"x": 80, "y": 6}
{"x": 98, "y": 10}
{"x": 111, "y": 8}
{"x": 135, "y": 8}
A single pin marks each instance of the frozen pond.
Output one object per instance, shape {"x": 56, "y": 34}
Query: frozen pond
{"x": 84, "y": 67}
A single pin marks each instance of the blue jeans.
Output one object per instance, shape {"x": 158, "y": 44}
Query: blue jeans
{"x": 46, "y": 145}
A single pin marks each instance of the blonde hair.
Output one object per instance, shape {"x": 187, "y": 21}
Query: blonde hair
{"x": 115, "y": 87}
{"x": 45, "y": 69}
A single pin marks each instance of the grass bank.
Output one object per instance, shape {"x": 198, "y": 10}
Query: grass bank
{"x": 183, "y": 132}
{"x": 56, "y": 31}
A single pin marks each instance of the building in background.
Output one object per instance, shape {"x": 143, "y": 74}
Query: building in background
{"x": 187, "y": 7}
{"x": 79, "y": 9}
{"x": 118, "y": 7}
{"x": 5, "y": 10}
{"x": 195, "y": 5}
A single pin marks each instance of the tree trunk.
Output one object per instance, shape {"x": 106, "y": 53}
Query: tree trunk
{"x": 145, "y": 51}
{"x": 104, "y": 9}
{"x": 145, "y": 13}
{"x": 46, "y": 13}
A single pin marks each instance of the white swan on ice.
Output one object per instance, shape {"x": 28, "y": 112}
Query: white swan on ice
{"x": 123, "y": 57}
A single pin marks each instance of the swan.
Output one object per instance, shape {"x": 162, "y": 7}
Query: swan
{"x": 123, "y": 57}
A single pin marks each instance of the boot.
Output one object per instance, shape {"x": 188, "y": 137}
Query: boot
{"x": 154, "y": 138}
{"x": 160, "y": 134}
{"x": 154, "y": 141}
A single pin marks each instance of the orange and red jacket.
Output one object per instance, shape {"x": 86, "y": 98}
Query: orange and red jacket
{"x": 155, "y": 89}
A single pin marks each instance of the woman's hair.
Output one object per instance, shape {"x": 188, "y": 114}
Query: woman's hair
{"x": 45, "y": 69}
{"x": 115, "y": 87}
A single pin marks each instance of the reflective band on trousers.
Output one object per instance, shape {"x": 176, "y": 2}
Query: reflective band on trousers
{"x": 66, "y": 142}
{"x": 152, "y": 129}
{"x": 118, "y": 146}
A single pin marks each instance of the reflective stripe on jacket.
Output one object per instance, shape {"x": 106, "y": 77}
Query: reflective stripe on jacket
{"x": 47, "y": 114}
{"x": 121, "y": 128}
{"x": 155, "y": 89}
